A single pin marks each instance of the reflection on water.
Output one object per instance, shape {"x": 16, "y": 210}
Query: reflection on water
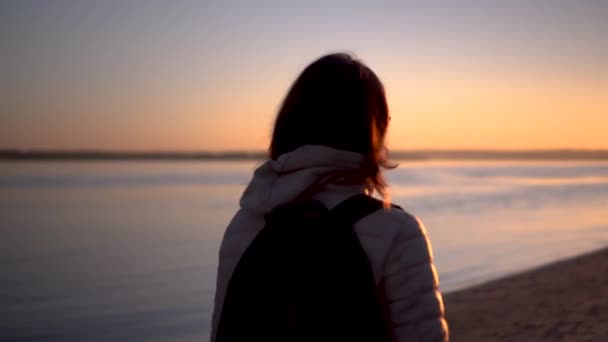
{"x": 128, "y": 250}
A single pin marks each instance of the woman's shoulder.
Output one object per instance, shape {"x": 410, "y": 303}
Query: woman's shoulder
{"x": 241, "y": 230}
{"x": 394, "y": 222}
{"x": 393, "y": 239}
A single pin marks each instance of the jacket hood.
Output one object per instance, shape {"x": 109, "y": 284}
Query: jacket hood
{"x": 279, "y": 181}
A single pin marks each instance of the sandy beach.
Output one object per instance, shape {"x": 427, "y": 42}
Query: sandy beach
{"x": 563, "y": 301}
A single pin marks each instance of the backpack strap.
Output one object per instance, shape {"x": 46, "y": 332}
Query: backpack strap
{"x": 355, "y": 208}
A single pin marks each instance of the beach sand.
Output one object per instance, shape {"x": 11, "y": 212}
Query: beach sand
{"x": 563, "y": 301}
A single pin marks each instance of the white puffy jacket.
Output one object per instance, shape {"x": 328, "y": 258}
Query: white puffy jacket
{"x": 395, "y": 242}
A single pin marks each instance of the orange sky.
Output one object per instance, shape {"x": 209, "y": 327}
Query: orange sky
{"x": 191, "y": 76}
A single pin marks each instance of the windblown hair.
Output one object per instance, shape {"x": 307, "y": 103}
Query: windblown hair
{"x": 339, "y": 102}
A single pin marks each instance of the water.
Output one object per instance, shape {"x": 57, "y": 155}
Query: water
{"x": 105, "y": 251}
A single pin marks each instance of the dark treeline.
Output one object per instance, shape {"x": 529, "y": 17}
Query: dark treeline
{"x": 126, "y": 155}
{"x": 15, "y": 154}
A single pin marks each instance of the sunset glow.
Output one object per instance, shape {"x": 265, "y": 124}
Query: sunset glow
{"x": 188, "y": 75}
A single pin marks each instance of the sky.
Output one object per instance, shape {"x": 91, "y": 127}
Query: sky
{"x": 210, "y": 75}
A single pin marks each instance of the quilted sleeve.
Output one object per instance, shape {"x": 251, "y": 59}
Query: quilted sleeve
{"x": 414, "y": 303}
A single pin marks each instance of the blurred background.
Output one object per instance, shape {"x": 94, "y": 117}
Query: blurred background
{"x": 128, "y": 130}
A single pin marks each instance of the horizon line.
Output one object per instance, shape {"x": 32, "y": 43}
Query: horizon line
{"x": 404, "y": 154}
{"x": 259, "y": 150}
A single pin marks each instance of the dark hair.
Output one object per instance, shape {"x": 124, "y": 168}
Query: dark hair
{"x": 339, "y": 102}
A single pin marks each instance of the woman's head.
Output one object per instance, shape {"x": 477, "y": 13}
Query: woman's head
{"x": 339, "y": 102}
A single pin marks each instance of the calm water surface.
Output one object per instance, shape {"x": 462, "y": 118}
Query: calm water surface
{"x": 107, "y": 251}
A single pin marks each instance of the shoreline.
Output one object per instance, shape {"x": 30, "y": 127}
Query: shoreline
{"x": 563, "y": 300}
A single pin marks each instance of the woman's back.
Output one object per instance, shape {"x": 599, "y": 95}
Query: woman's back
{"x": 394, "y": 241}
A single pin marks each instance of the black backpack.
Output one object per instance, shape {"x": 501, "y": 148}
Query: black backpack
{"x": 305, "y": 277}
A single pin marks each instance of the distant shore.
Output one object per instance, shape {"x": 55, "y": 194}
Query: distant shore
{"x": 417, "y": 155}
{"x": 563, "y": 301}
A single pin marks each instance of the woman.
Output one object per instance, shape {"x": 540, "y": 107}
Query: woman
{"x": 328, "y": 145}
